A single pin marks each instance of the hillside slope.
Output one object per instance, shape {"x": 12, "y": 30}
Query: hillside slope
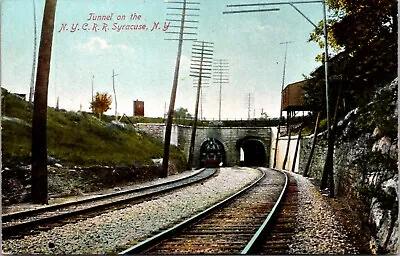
{"x": 75, "y": 138}
{"x": 76, "y": 141}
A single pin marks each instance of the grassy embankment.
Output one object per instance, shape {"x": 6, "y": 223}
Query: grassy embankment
{"x": 76, "y": 139}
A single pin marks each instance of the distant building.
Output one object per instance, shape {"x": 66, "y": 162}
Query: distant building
{"x": 138, "y": 108}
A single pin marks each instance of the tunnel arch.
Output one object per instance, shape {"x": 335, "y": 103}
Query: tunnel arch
{"x": 253, "y": 150}
{"x": 212, "y": 150}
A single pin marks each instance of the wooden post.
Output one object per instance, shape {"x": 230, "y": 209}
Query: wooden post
{"x": 305, "y": 173}
{"x": 168, "y": 128}
{"x": 297, "y": 147}
{"x": 39, "y": 122}
{"x": 288, "y": 143}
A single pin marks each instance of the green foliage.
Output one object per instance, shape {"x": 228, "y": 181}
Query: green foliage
{"x": 379, "y": 113}
{"x": 364, "y": 123}
{"x": 322, "y": 125}
{"x": 12, "y": 106}
{"x": 366, "y": 34}
{"x": 16, "y": 133}
{"x": 383, "y": 108}
{"x": 314, "y": 93}
{"x": 182, "y": 113}
{"x": 77, "y": 139}
{"x": 317, "y": 36}
{"x": 375, "y": 167}
{"x": 16, "y": 142}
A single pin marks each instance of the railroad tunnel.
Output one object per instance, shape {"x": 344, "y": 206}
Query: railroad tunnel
{"x": 212, "y": 152}
{"x": 252, "y": 152}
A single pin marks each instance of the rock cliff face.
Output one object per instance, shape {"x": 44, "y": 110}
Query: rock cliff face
{"x": 366, "y": 164}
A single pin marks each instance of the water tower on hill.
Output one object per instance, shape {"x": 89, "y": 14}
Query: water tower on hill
{"x": 138, "y": 108}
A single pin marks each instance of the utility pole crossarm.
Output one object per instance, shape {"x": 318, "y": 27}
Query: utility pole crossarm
{"x": 302, "y": 14}
{"x": 170, "y": 115}
{"x": 274, "y": 9}
{"x": 257, "y": 10}
{"x": 328, "y": 167}
{"x": 187, "y": 12}
{"x": 275, "y": 3}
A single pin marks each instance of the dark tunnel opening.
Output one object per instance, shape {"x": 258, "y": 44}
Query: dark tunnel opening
{"x": 253, "y": 153}
{"x": 212, "y": 153}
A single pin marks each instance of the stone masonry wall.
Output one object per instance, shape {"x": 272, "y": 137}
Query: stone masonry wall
{"x": 157, "y": 130}
{"x": 349, "y": 181}
{"x": 317, "y": 163}
{"x": 366, "y": 165}
{"x": 228, "y": 136}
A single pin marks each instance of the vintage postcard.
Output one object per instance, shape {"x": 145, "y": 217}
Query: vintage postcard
{"x": 199, "y": 126}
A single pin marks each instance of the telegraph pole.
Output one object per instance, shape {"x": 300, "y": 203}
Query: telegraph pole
{"x": 202, "y": 100}
{"x": 115, "y": 96}
{"x": 221, "y": 68}
{"x": 200, "y": 68}
{"x": 280, "y": 115}
{"x": 204, "y": 83}
{"x": 201, "y": 103}
{"x": 168, "y": 128}
{"x": 32, "y": 87}
{"x": 92, "y": 88}
{"x": 248, "y": 107}
{"x": 39, "y": 120}
{"x": 292, "y": 4}
{"x": 165, "y": 110}
{"x": 248, "y": 104}
{"x": 328, "y": 167}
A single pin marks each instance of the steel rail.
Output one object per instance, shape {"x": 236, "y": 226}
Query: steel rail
{"x": 15, "y": 215}
{"x": 13, "y": 229}
{"x": 255, "y": 240}
{"x": 146, "y": 244}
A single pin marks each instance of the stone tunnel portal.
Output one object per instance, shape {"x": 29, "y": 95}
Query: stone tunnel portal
{"x": 252, "y": 152}
{"x": 212, "y": 152}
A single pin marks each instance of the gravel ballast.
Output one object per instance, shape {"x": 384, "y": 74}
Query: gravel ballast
{"x": 317, "y": 231}
{"x": 105, "y": 232}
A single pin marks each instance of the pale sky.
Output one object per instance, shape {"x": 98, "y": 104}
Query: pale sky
{"x": 145, "y": 62}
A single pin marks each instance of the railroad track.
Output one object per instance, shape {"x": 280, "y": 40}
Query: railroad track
{"x": 233, "y": 226}
{"x": 280, "y": 230}
{"x": 28, "y": 222}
